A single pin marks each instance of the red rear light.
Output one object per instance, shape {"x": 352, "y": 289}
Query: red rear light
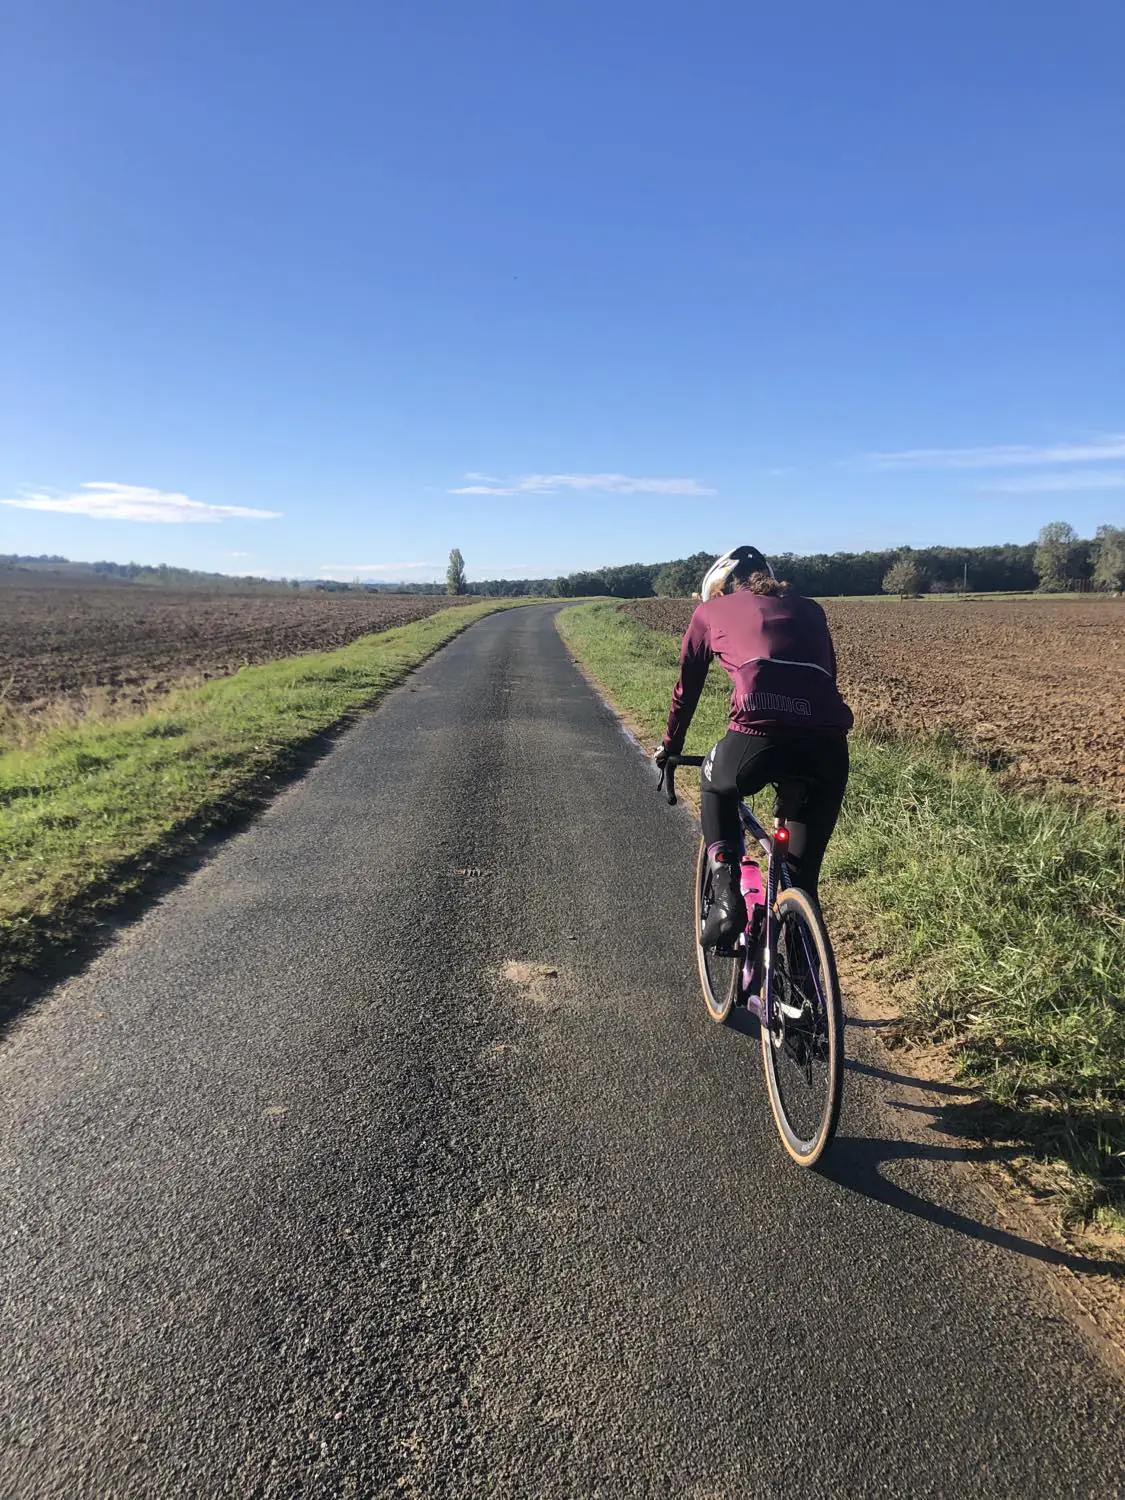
{"x": 781, "y": 836}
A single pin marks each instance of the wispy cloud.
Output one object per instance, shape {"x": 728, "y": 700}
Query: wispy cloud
{"x": 130, "y": 502}
{"x": 482, "y": 489}
{"x": 1002, "y": 456}
{"x": 604, "y": 484}
{"x": 1083, "y": 479}
{"x": 400, "y": 567}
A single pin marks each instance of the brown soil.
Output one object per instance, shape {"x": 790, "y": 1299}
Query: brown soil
{"x": 1034, "y": 687}
{"x": 61, "y": 641}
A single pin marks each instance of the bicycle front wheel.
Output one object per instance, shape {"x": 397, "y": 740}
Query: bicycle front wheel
{"x": 803, "y": 1048}
{"x": 718, "y": 972}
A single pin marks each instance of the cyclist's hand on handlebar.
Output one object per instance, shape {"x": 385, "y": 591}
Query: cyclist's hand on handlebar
{"x": 665, "y": 762}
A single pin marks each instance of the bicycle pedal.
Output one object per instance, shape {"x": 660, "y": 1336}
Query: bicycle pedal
{"x": 727, "y": 950}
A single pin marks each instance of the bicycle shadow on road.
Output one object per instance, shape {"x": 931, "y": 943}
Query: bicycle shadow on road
{"x": 860, "y": 1165}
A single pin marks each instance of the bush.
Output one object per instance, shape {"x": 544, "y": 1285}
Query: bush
{"x": 903, "y": 578}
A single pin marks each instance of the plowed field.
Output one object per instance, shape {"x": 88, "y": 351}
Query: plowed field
{"x": 1035, "y": 687}
{"x": 63, "y": 640}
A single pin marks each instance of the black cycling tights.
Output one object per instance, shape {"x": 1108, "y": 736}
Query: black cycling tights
{"x": 741, "y": 764}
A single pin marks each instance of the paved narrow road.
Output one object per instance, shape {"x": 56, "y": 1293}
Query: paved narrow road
{"x": 308, "y": 1192}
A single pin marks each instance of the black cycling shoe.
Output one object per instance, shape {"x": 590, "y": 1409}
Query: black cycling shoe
{"x": 727, "y": 916}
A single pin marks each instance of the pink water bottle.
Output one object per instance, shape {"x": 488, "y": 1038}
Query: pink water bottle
{"x": 750, "y": 878}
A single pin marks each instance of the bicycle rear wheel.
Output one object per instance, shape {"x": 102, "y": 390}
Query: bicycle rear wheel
{"x": 803, "y": 1050}
{"x": 718, "y": 972}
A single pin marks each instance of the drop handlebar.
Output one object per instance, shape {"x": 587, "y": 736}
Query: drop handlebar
{"x": 668, "y": 773}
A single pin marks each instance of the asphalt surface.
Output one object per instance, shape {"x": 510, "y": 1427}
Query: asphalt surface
{"x": 302, "y": 1196}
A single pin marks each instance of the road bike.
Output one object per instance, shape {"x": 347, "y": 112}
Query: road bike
{"x": 782, "y": 969}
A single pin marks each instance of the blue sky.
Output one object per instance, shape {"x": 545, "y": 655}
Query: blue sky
{"x": 300, "y": 288}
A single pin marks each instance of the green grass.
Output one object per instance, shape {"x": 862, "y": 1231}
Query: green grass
{"x": 1001, "y": 917}
{"x": 87, "y": 812}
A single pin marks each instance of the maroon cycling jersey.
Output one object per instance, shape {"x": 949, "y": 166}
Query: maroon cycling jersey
{"x": 777, "y": 651}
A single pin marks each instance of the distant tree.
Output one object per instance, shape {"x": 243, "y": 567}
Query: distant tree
{"x": 582, "y": 585}
{"x": 455, "y": 574}
{"x": 1109, "y": 563}
{"x": 629, "y": 580}
{"x": 515, "y": 588}
{"x": 681, "y": 579}
{"x": 670, "y": 581}
{"x": 903, "y": 578}
{"x": 1052, "y": 555}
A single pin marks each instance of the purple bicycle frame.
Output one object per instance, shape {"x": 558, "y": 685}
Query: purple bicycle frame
{"x": 777, "y": 879}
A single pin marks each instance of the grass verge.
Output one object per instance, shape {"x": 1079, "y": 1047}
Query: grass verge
{"x": 998, "y": 918}
{"x": 88, "y": 812}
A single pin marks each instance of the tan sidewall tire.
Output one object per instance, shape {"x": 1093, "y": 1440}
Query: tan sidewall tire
{"x": 794, "y": 897}
{"x": 717, "y": 1008}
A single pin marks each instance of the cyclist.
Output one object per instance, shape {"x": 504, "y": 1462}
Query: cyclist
{"x": 788, "y": 724}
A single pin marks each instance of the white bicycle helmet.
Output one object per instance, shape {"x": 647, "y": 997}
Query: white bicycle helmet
{"x": 716, "y": 576}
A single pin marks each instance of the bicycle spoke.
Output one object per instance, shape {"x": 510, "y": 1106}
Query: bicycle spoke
{"x": 802, "y": 1064}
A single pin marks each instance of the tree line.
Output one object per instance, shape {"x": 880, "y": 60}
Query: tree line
{"x": 132, "y": 572}
{"x": 1059, "y": 560}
